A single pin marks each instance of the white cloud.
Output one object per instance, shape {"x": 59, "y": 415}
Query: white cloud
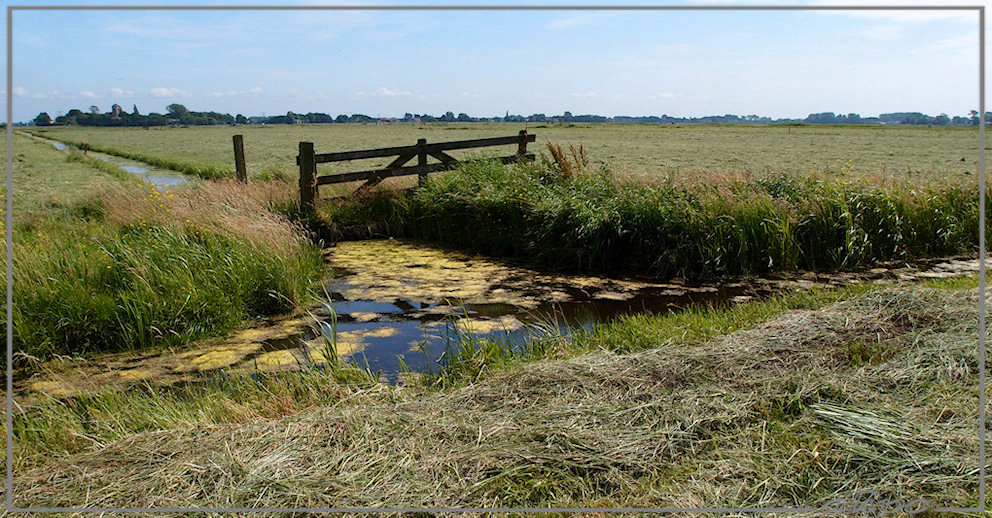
{"x": 231, "y": 93}
{"x": 20, "y": 91}
{"x": 881, "y": 32}
{"x": 903, "y": 15}
{"x": 167, "y": 92}
{"x": 579, "y": 19}
{"x": 120, "y": 92}
{"x": 586, "y": 95}
{"x": 670, "y": 95}
{"x": 88, "y": 94}
{"x": 567, "y": 22}
{"x": 382, "y": 91}
{"x": 900, "y": 15}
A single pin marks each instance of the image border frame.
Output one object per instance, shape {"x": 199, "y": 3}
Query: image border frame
{"x": 979, "y": 9}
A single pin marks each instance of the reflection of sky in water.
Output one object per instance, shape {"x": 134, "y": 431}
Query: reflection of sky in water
{"x": 417, "y": 343}
{"x": 165, "y": 180}
{"x": 422, "y": 330}
{"x": 155, "y": 179}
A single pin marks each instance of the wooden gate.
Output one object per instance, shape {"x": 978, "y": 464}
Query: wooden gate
{"x": 308, "y": 160}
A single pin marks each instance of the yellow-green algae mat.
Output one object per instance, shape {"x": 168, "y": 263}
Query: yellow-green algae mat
{"x": 378, "y": 270}
{"x": 387, "y": 271}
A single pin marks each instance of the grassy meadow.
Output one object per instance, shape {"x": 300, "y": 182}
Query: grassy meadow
{"x": 789, "y": 401}
{"x": 638, "y": 149}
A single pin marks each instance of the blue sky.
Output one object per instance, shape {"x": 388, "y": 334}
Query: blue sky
{"x": 780, "y": 64}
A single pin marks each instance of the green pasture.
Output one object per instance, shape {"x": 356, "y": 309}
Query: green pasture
{"x": 642, "y": 149}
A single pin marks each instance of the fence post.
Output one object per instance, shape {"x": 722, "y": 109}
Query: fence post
{"x": 421, "y": 159}
{"x": 239, "y": 158}
{"x": 307, "y": 177}
{"x": 522, "y": 146}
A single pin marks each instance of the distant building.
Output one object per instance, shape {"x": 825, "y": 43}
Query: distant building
{"x": 116, "y": 111}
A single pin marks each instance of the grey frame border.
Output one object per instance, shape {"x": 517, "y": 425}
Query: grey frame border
{"x": 980, "y": 9}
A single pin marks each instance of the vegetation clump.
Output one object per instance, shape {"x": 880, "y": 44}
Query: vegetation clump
{"x": 144, "y": 266}
{"x": 561, "y": 213}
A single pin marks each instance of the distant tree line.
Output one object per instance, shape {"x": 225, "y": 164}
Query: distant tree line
{"x": 179, "y": 115}
{"x": 176, "y": 114}
{"x": 913, "y": 118}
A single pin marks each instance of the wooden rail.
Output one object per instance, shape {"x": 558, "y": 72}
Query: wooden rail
{"x": 308, "y": 160}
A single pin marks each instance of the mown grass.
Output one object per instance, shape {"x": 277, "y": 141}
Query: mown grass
{"x": 206, "y": 172}
{"x": 122, "y": 265}
{"x": 639, "y": 149}
{"x": 775, "y": 413}
{"x": 723, "y": 224}
{"x": 37, "y": 191}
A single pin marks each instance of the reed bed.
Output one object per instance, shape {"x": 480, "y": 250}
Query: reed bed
{"x": 137, "y": 267}
{"x": 561, "y": 213}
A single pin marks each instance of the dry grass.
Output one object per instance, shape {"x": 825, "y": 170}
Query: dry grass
{"x": 876, "y": 392}
{"x": 245, "y": 210}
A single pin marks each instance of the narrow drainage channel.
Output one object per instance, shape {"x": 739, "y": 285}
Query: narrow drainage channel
{"x": 148, "y": 173}
{"x": 415, "y": 335}
{"x": 395, "y": 305}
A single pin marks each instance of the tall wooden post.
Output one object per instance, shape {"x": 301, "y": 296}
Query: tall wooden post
{"x": 522, "y": 146}
{"x": 307, "y": 177}
{"x": 239, "y": 158}
{"x": 421, "y": 159}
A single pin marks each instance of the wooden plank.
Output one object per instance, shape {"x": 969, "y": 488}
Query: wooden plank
{"x": 402, "y": 159}
{"x": 365, "y": 153}
{"x": 400, "y": 150}
{"x": 307, "y": 180}
{"x": 381, "y": 174}
{"x": 422, "y": 159}
{"x": 482, "y": 142}
{"x": 239, "y": 158}
{"x": 443, "y": 157}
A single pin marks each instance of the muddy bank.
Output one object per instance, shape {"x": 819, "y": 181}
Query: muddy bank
{"x": 394, "y": 304}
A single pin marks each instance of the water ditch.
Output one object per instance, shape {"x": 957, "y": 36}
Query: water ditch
{"x": 393, "y": 304}
{"x": 148, "y": 173}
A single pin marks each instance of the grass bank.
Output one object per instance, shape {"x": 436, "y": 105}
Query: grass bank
{"x": 118, "y": 264}
{"x": 561, "y": 213}
{"x": 771, "y": 407}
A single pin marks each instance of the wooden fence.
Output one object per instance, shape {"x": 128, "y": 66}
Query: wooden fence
{"x": 308, "y": 160}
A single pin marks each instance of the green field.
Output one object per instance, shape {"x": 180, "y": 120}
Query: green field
{"x": 630, "y": 148}
{"x": 37, "y": 190}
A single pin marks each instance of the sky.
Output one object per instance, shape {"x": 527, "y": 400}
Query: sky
{"x": 782, "y": 64}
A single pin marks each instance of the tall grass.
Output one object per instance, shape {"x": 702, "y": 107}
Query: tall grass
{"x": 157, "y": 268}
{"x": 569, "y": 216}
